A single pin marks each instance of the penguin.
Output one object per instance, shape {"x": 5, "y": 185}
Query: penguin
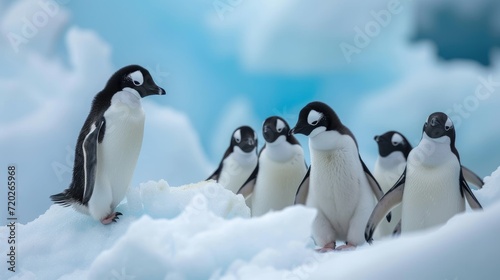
{"x": 393, "y": 151}
{"x": 239, "y": 160}
{"x": 275, "y": 180}
{"x": 338, "y": 183}
{"x": 432, "y": 188}
{"x": 109, "y": 144}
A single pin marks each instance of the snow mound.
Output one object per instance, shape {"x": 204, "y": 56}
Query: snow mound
{"x": 203, "y": 231}
{"x": 196, "y": 231}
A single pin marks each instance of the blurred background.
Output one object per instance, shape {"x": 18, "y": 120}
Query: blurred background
{"x": 381, "y": 65}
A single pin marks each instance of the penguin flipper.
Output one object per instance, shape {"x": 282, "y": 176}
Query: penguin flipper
{"x": 216, "y": 174}
{"x": 472, "y": 177}
{"x": 392, "y": 198}
{"x": 303, "y": 190}
{"x": 471, "y": 198}
{"x": 247, "y": 189}
{"x": 89, "y": 147}
{"x": 397, "y": 229}
{"x": 377, "y": 191}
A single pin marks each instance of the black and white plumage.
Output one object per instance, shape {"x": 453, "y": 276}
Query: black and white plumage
{"x": 281, "y": 167}
{"x": 393, "y": 151}
{"x": 338, "y": 183}
{"x": 109, "y": 144}
{"x": 432, "y": 189}
{"x": 239, "y": 160}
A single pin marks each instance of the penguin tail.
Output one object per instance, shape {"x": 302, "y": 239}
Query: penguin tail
{"x": 63, "y": 199}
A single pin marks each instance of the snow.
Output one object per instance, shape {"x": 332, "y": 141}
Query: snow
{"x": 203, "y": 231}
{"x": 274, "y": 66}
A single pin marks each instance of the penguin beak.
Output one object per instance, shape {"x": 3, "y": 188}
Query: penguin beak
{"x": 376, "y": 138}
{"x": 151, "y": 89}
{"x": 300, "y": 129}
{"x": 250, "y": 142}
{"x": 434, "y": 128}
{"x": 268, "y": 134}
{"x": 248, "y": 145}
{"x": 154, "y": 89}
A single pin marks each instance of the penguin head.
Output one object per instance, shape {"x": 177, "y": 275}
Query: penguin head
{"x": 136, "y": 79}
{"x": 315, "y": 118}
{"x": 439, "y": 127}
{"x": 275, "y": 127}
{"x": 245, "y": 138}
{"x": 392, "y": 141}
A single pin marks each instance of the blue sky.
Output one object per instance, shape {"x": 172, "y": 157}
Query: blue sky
{"x": 261, "y": 58}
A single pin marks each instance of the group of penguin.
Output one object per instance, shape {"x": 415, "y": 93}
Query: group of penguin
{"x": 428, "y": 181}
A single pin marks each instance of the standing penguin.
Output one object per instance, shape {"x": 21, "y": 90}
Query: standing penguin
{"x": 109, "y": 144}
{"x": 338, "y": 183}
{"x": 281, "y": 167}
{"x": 432, "y": 187}
{"x": 393, "y": 150}
{"x": 239, "y": 160}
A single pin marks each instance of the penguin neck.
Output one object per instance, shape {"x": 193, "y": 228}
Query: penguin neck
{"x": 431, "y": 152}
{"x": 331, "y": 140}
{"x": 333, "y": 147}
{"x": 280, "y": 150}
{"x": 128, "y": 96}
{"x": 243, "y": 158}
{"x": 391, "y": 161}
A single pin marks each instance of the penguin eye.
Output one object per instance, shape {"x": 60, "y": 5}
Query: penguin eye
{"x": 448, "y": 125}
{"x": 280, "y": 125}
{"x": 237, "y": 136}
{"x": 314, "y": 117}
{"x": 396, "y": 139}
{"x": 136, "y": 77}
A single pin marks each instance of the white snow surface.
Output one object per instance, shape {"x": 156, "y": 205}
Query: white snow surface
{"x": 203, "y": 231}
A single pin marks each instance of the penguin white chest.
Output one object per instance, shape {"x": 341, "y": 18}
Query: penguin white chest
{"x": 118, "y": 153}
{"x": 388, "y": 170}
{"x": 334, "y": 188}
{"x": 432, "y": 193}
{"x": 278, "y": 180}
{"x": 236, "y": 169}
{"x": 339, "y": 189}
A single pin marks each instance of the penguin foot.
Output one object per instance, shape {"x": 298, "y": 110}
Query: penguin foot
{"x": 111, "y": 218}
{"x": 346, "y": 247}
{"x": 327, "y": 248}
